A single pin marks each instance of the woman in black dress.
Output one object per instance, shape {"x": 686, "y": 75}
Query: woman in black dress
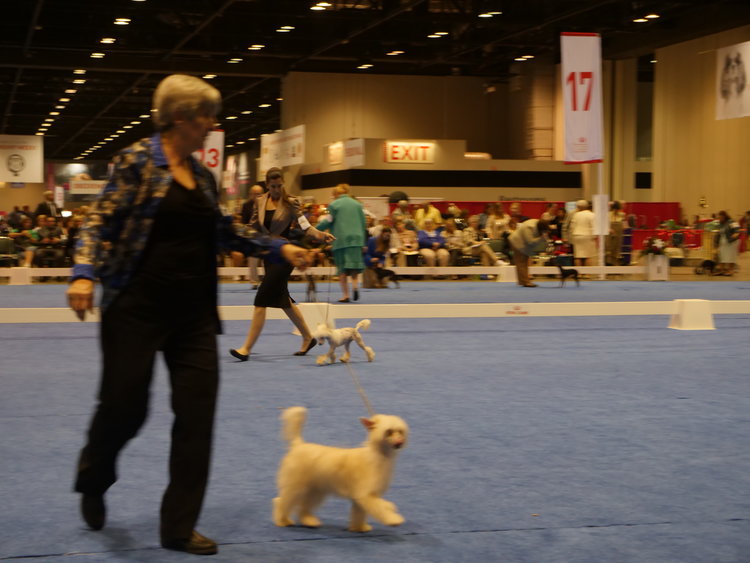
{"x": 274, "y": 214}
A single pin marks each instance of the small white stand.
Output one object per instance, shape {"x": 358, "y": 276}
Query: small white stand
{"x": 692, "y": 314}
{"x": 657, "y": 267}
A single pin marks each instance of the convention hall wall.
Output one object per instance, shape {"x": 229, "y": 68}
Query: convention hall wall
{"x": 695, "y": 155}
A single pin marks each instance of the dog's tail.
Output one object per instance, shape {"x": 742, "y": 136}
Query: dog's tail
{"x": 293, "y": 420}
{"x": 364, "y": 324}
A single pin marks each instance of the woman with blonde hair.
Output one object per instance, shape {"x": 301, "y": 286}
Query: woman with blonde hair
{"x": 151, "y": 239}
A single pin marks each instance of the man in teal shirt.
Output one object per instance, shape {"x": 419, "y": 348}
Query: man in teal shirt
{"x": 346, "y": 221}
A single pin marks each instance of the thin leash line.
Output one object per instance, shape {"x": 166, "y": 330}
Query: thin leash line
{"x": 360, "y": 390}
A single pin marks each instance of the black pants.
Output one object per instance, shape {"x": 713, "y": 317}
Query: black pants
{"x": 141, "y": 321}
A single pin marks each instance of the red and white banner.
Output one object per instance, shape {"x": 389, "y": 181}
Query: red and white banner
{"x": 582, "y": 96}
{"x": 212, "y": 153}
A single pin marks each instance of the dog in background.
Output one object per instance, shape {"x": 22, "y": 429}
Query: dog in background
{"x": 342, "y": 337}
{"x": 706, "y": 267}
{"x": 308, "y": 473}
{"x": 312, "y": 292}
{"x": 566, "y": 273}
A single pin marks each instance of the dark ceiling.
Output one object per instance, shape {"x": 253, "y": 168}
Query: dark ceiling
{"x": 42, "y": 43}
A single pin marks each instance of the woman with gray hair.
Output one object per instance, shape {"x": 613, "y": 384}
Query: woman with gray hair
{"x": 152, "y": 239}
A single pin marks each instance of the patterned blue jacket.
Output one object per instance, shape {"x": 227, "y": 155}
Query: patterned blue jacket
{"x": 114, "y": 235}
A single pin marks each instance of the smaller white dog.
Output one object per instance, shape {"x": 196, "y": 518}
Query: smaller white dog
{"x": 310, "y": 472}
{"x": 342, "y": 337}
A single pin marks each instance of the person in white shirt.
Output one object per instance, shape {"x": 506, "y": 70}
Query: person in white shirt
{"x": 582, "y": 233}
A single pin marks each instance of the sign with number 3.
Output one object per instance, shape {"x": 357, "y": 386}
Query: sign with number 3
{"x": 212, "y": 154}
{"x": 582, "y": 96}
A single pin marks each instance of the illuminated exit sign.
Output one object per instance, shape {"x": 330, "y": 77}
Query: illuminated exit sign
{"x": 409, "y": 152}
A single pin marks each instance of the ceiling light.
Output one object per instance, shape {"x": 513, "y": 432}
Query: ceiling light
{"x": 71, "y": 91}
{"x": 640, "y": 20}
{"x": 441, "y": 33}
{"x": 64, "y": 99}
{"x": 144, "y": 116}
{"x": 79, "y": 71}
{"x": 281, "y": 30}
{"x": 264, "y": 106}
{"x": 527, "y": 57}
{"x": 393, "y": 53}
{"x": 127, "y": 126}
{"x": 59, "y": 107}
{"x": 317, "y": 9}
{"x": 252, "y": 138}
{"x": 135, "y": 122}
{"x": 49, "y": 119}
{"x": 434, "y": 36}
{"x": 109, "y": 138}
{"x": 485, "y": 15}
{"x": 80, "y": 81}
{"x": 520, "y": 59}
{"x": 240, "y": 143}
{"x": 97, "y": 55}
{"x": 651, "y": 16}
{"x": 120, "y": 131}
{"x": 231, "y": 117}
{"x": 256, "y": 47}
{"x": 279, "y": 99}
{"x": 653, "y": 61}
{"x": 247, "y": 112}
{"x": 494, "y": 13}
{"x": 54, "y": 113}
{"x": 365, "y": 66}
{"x": 122, "y": 21}
{"x": 229, "y": 146}
{"x": 289, "y": 27}
{"x": 107, "y": 40}
{"x": 234, "y": 61}
{"x": 209, "y": 76}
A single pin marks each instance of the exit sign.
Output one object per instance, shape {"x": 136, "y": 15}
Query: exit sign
{"x": 409, "y": 152}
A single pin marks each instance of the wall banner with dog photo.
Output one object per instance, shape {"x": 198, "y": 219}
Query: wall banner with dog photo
{"x": 732, "y": 91}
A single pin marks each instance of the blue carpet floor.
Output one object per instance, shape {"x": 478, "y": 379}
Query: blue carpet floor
{"x": 533, "y": 439}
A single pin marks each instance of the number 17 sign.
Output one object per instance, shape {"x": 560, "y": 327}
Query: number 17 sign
{"x": 582, "y": 96}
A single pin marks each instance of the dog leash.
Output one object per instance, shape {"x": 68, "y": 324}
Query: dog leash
{"x": 360, "y": 390}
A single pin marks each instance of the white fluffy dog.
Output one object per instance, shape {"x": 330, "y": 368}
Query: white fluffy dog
{"x": 310, "y": 472}
{"x": 342, "y": 337}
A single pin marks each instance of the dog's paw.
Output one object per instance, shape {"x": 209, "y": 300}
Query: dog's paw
{"x": 361, "y": 528}
{"x": 310, "y": 521}
{"x": 394, "y": 519}
{"x": 321, "y": 360}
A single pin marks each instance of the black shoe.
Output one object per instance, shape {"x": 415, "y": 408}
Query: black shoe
{"x": 195, "y": 544}
{"x": 343, "y": 300}
{"x": 313, "y": 342}
{"x": 93, "y": 510}
{"x": 240, "y": 357}
{"x": 356, "y": 295}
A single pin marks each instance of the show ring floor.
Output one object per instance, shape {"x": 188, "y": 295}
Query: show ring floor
{"x": 533, "y": 439}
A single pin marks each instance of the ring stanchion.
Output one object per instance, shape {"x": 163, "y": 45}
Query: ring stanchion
{"x": 692, "y": 314}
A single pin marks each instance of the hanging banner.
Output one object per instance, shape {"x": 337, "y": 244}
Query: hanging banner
{"x": 732, "y": 89}
{"x": 21, "y": 158}
{"x": 582, "y": 97}
{"x": 212, "y": 154}
{"x": 283, "y": 148}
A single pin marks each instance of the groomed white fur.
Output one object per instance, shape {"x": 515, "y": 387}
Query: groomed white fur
{"x": 342, "y": 337}
{"x": 310, "y": 472}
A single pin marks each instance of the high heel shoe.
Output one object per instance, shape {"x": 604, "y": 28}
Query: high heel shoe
{"x": 356, "y": 295}
{"x": 312, "y": 343}
{"x": 239, "y": 356}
